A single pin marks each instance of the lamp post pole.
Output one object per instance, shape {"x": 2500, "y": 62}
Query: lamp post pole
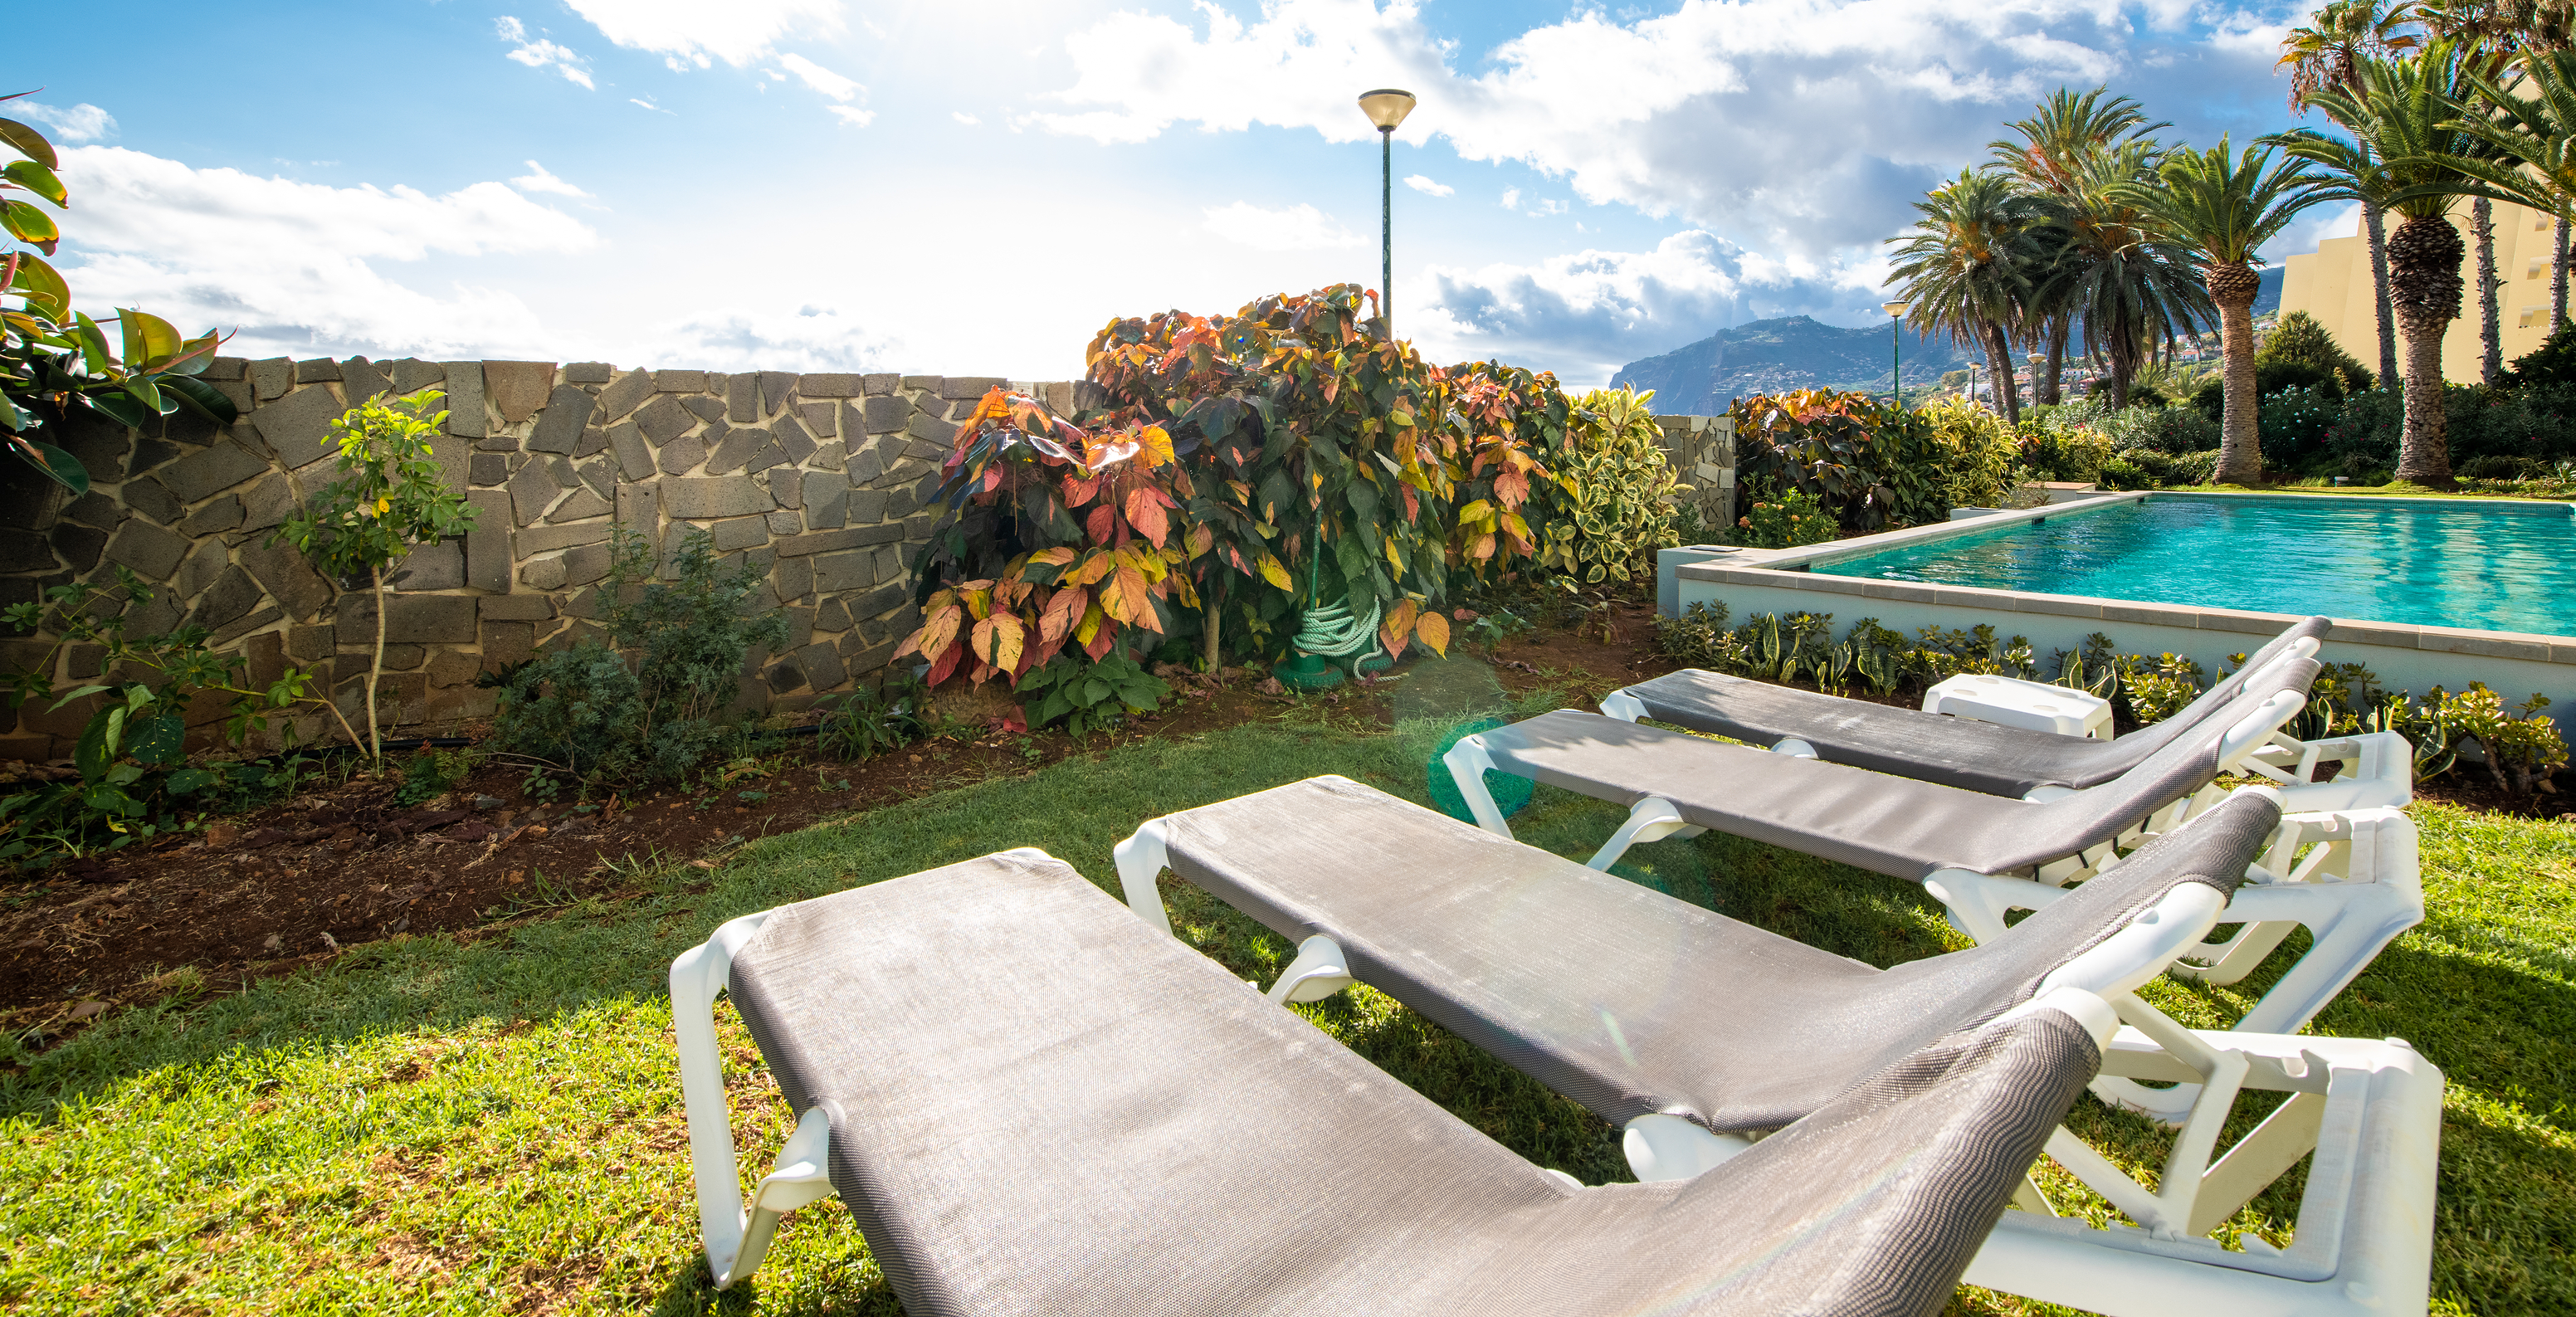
{"x": 1386, "y": 107}
{"x": 1895, "y": 350}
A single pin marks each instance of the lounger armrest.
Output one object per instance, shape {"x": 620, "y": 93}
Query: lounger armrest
{"x": 1141, "y": 860}
{"x": 1623, "y": 706}
{"x": 2153, "y": 940}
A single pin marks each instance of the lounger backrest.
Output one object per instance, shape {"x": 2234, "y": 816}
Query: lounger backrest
{"x": 2185, "y": 765}
{"x": 2213, "y": 848}
{"x": 2223, "y": 692}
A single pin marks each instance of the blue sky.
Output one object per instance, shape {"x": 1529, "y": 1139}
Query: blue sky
{"x": 975, "y": 186}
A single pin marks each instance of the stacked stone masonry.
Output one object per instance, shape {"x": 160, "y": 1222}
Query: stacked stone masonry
{"x": 823, "y": 482}
{"x": 1702, "y": 452}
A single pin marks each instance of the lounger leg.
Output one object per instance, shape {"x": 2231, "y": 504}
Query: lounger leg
{"x": 1977, "y": 903}
{"x": 735, "y": 1238}
{"x": 1141, "y": 859}
{"x": 1623, "y": 706}
{"x": 1319, "y": 971}
{"x": 1468, "y": 763}
{"x": 1651, "y": 819}
{"x": 1661, "y": 1147}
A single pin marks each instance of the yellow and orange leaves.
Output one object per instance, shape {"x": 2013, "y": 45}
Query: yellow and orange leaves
{"x": 997, "y": 642}
{"x": 1432, "y": 629}
{"x": 1098, "y": 564}
{"x": 1145, "y": 506}
{"x": 1200, "y": 539}
{"x": 1063, "y": 609}
{"x": 1273, "y": 572}
{"x": 1397, "y": 626}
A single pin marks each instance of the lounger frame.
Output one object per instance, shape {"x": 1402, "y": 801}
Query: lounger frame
{"x": 2366, "y": 1114}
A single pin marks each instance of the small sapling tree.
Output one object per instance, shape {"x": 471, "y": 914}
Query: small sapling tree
{"x": 389, "y": 497}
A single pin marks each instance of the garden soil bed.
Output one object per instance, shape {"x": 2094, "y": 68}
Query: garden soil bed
{"x": 297, "y": 883}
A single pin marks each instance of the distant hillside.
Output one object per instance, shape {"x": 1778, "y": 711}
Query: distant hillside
{"x": 1795, "y": 352}
{"x": 1771, "y": 356}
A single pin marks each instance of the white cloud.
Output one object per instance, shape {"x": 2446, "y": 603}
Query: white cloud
{"x": 539, "y": 179}
{"x": 1511, "y": 198}
{"x": 1810, "y": 125}
{"x": 963, "y": 117}
{"x": 807, "y": 338}
{"x": 647, "y": 104}
{"x": 1296, "y": 228}
{"x": 1421, "y": 183}
{"x": 294, "y": 266}
{"x": 853, "y": 115}
{"x": 1587, "y": 313}
{"x": 693, "y": 32}
{"x": 538, "y": 53}
{"x": 821, "y": 79}
{"x": 77, "y": 123}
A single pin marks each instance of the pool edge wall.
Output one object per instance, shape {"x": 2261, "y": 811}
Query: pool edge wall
{"x": 2414, "y": 658}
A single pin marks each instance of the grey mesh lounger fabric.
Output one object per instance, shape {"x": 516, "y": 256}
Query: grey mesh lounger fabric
{"x": 1037, "y": 1105}
{"x": 1619, "y": 996}
{"x": 1891, "y": 825}
{"x": 1973, "y": 756}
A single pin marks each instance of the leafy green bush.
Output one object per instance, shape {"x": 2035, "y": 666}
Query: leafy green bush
{"x": 2536, "y": 421}
{"x": 1621, "y": 488}
{"x": 661, "y": 708}
{"x": 1872, "y": 463}
{"x": 869, "y": 720}
{"x": 2553, "y": 362}
{"x": 1786, "y": 521}
{"x": 2292, "y": 426}
{"x": 2300, "y": 339}
{"x": 1977, "y": 453}
{"x": 1087, "y": 695}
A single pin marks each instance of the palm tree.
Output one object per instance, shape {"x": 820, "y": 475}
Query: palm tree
{"x": 1965, "y": 268}
{"x": 2327, "y": 55}
{"x": 2049, "y": 161}
{"x": 2120, "y": 267}
{"x": 2226, "y": 207}
{"x": 2507, "y": 32}
{"x": 2411, "y": 153}
{"x": 2530, "y": 142}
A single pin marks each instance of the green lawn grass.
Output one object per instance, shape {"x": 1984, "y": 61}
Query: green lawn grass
{"x": 435, "y": 1126}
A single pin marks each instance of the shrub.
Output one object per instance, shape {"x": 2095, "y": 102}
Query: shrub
{"x": 2532, "y": 421}
{"x": 1786, "y": 521}
{"x": 1873, "y": 464}
{"x": 2300, "y": 339}
{"x": 1977, "y": 452}
{"x": 656, "y": 711}
{"x": 871, "y": 719}
{"x": 2553, "y": 362}
{"x": 2145, "y": 468}
{"x": 2292, "y": 426}
{"x": 1622, "y": 491}
{"x": 1087, "y": 695}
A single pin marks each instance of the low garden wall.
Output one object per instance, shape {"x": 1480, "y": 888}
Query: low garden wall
{"x": 821, "y": 481}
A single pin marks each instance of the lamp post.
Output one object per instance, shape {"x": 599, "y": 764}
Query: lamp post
{"x": 1386, "y": 107}
{"x": 1895, "y": 349}
{"x": 1972, "y": 380}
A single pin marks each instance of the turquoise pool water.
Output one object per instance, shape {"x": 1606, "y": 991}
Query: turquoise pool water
{"x": 2482, "y": 567}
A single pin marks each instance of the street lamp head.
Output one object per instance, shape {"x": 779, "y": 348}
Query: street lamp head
{"x": 1386, "y": 107}
{"x": 1894, "y": 308}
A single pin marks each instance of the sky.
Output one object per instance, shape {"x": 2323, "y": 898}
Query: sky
{"x": 974, "y": 187}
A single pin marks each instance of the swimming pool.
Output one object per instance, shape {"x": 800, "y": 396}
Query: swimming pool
{"x": 2484, "y": 566}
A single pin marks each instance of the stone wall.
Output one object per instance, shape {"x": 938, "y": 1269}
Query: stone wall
{"x": 820, "y": 481}
{"x": 1702, "y": 449}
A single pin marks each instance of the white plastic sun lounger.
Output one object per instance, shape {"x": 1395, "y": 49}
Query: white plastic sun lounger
{"x": 1033, "y": 1104}
{"x": 2375, "y": 770}
{"x": 2349, "y": 877}
{"x": 1696, "y": 1032}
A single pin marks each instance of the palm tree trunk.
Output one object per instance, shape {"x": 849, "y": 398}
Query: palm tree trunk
{"x": 2490, "y": 321}
{"x": 2051, "y": 385}
{"x": 2558, "y": 279}
{"x": 2377, "y": 228}
{"x": 2424, "y": 286}
{"x": 1999, "y": 364}
{"x": 2240, "y": 449}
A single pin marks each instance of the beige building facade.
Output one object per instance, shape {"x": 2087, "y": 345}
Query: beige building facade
{"x": 2333, "y": 284}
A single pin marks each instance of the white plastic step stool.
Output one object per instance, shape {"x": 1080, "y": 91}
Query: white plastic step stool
{"x": 2012, "y": 702}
